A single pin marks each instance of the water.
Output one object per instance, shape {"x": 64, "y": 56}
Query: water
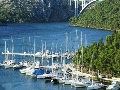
{"x": 54, "y": 34}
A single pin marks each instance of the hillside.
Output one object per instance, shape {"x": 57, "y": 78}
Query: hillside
{"x": 102, "y": 56}
{"x": 103, "y": 15}
{"x": 27, "y": 11}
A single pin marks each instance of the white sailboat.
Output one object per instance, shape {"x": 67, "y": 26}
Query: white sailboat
{"x": 29, "y": 70}
{"x": 47, "y": 76}
{"x": 34, "y": 66}
{"x": 67, "y": 53}
{"x": 8, "y": 63}
{"x": 80, "y": 83}
{"x": 94, "y": 85}
{"x": 62, "y": 78}
{"x": 54, "y": 75}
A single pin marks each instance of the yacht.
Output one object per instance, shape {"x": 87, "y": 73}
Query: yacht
{"x": 8, "y": 63}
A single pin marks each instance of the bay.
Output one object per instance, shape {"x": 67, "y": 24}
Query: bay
{"x": 55, "y": 35}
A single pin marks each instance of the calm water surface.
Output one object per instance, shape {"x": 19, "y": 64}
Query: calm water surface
{"x": 56, "y": 36}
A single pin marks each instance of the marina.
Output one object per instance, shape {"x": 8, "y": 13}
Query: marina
{"x": 25, "y": 50}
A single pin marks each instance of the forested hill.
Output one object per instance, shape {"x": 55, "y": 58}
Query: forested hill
{"x": 102, "y": 56}
{"x": 103, "y": 15}
{"x": 27, "y": 11}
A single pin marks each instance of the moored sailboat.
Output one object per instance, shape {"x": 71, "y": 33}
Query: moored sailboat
{"x": 8, "y": 63}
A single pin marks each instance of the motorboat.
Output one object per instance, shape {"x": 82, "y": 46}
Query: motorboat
{"x": 114, "y": 86}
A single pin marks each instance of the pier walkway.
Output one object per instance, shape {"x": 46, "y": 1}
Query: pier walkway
{"x": 20, "y": 54}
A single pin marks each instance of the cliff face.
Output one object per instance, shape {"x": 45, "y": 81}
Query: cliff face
{"x": 35, "y": 10}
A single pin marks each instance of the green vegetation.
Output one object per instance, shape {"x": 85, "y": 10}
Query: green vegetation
{"x": 11, "y": 11}
{"x": 103, "y": 56}
{"x": 103, "y": 15}
{"x": 30, "y": 11}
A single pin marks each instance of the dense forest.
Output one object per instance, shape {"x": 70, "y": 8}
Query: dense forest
{"x": 30, "y": 11}
{"x": 102, "y": 56}
{"x": 102, "y": 15}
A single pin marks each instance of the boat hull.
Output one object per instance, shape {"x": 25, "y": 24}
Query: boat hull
{"x": 8, "y": 66}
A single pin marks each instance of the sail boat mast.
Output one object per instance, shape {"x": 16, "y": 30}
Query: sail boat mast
{"x": 29, "y": 46}
{"x": 12, "y": 48}
{"x": 66, "y": 41}
{"x": 34, "y": 50}
{"x": 52, "y": 57}
{"x": 82, "y": 53}
{"x": 42, "y": 46}
{"x": 5, "y": 51}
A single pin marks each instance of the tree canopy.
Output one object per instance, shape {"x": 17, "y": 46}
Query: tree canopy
{"x": 105, "y": 56}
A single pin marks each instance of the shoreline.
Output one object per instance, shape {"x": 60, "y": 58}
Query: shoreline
{"x": 93, "y": 28}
